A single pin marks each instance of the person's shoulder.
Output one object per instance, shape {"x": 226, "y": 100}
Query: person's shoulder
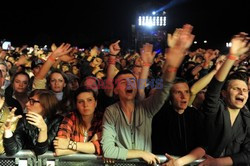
{"x": 57, "y": 118}
{"x": 194, "y": 111}
{"x": 113, "y": 106}
{"x": 112, "y": 109}
{"x": 245, "y": 112}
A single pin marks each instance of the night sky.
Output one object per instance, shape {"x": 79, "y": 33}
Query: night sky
{"x": 87, "y": 23}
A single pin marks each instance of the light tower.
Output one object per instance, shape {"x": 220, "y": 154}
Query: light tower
{"x": 150, "y": 27}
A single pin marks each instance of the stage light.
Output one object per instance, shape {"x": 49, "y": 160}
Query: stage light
{"x": 195, "y": 42}
{"x": 205, "y": 41}
{"x": 153, "y": 12}
{"x": 151, "y": 20}
{"x": 229, "y": 44}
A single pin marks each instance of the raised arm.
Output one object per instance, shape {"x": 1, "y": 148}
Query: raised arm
{"x": 59, "y": 52}
{"x": 114, "y": 50}
{"x": 203, "y": 82}
{"x": 147, "y": 56}
{"x": 239, "y": 47}
{"x": 179, "y": 43}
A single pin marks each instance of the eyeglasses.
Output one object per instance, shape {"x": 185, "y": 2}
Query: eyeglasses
{"x": 32, "y": 101}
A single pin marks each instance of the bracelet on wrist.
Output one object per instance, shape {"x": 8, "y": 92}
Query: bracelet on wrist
{"x": 171, "y": 69}
{"x": 232, "y": 57}
{"x": 72, "y": 145}
{"x": 112, "y": 61}
{"x": 146, "y": 64}
{"x": 51, "y": 58}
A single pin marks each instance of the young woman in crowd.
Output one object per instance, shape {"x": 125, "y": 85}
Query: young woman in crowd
{"x": 36, "y": 129}
{"x": 56, "y": 81}
{"x": 16, "y": 94}
{"x": 80, "y": 131}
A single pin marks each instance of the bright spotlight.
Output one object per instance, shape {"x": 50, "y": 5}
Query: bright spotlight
{"x": 195, "y": 42}
{"x": 152, "y": 21}
{"x": 205, "y": 41}
{"x": 153, "y": 12}
{"x": 229, "y": 44}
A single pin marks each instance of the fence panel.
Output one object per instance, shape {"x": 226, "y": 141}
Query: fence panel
{"x": 22, "y": 158}
{"x": 28, "y": 158}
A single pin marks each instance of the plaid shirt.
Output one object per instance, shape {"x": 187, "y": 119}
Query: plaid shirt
{"x": 68, "y": 129}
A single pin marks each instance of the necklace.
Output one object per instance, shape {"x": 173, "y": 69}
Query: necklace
{"x": 85, "y": 134}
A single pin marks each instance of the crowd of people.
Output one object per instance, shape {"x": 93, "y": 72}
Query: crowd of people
{"x": 190, "y": 104}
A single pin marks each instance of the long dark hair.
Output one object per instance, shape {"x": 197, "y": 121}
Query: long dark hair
{"x": 79, "y": 121}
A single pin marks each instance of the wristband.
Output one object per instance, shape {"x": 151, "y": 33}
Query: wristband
{"x": 147, "y": 64}
{"x": 112, "y": 61}
{"x": 51, "y": 58}
{"x": 232, "y": 57}
{"x": 172, "y": 69}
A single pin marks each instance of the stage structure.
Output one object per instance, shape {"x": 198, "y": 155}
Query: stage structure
{"x": 150, "y": 28}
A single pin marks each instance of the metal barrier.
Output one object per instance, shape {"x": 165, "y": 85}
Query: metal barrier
{"x": 28, "y": 158}
{"x": 22, "y": 158}
{"x": 48, "y": 159}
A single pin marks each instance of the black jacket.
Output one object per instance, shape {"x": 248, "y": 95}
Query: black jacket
{"x": 222, "y": 138}
{"x": 176, "y": 134}
{"x": 11, "y": 102}
{"x": 26, "y": 135}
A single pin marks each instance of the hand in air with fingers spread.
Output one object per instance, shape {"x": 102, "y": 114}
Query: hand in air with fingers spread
{"x": 11, "y": 119}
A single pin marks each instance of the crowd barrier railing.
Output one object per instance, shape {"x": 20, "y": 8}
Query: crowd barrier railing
{"x": 28, "y": 158}
{"x": 22, "y": 158}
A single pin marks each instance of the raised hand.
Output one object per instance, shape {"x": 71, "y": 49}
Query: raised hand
{"x": 181, "y": 38}
{"x": 219, "y": 64}
{"x": 147, "y": 53}
{"x": 114, "y": 48}
{"x": 11, "y": 119}
{"x": 172, "y": 38}
{"x": 22, "y": 60}
{"x": 53, "y": 47}
{"x": 63, "y": 49}
{"x": 94, "y": 51}
{"x": 239, "y": 44}
{"x": 36, "y": 120}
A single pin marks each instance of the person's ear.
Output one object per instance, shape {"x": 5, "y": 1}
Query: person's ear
{"x": 116, "y": 90}
{"x": 224, "y": 93}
